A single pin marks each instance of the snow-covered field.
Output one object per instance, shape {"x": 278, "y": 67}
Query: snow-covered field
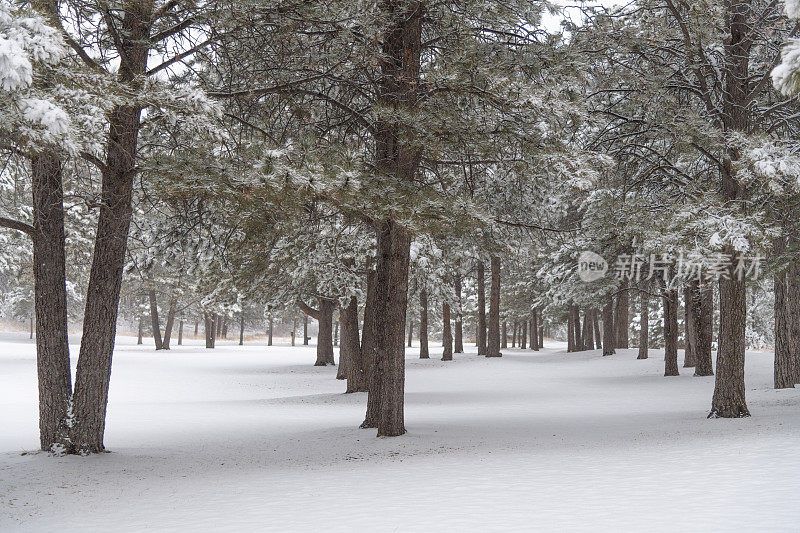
{"x": 256, "y": 438}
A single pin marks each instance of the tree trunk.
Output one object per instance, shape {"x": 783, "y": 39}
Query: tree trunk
{"x": 784, "y": 370}
{"x": 671, "y": 332}
{"x": 241, "y": 328}
{"x": 225, "y": 327}
{"x": 541, "y": 329}
{"x": 210, "y": 328}
{"x": 523, "y": 341}
{"x": 515, "y": 327}
{"x": 792, "y": 307}
{"x": 369, "y": 352}
{"x": 154, "y": 321}
{"x": 570, "y": 331}
{"x": 141, "y": 330}
{"x": 729, "y": 392}
{"x": 294, "y": 330}
{"x": 621, "y": 320}
{"x": 447, "y": 335}
{"x": 341, "y": 371}
{"x": 598, "y": 337}
{"x": 180, "y": 332}
{"x": 577, "y": 341}
{"x": 218, "y": 326}
{"x": 325, "y": 335}
{"x": 504, "y": 341}
{"x": 459, "y": 325}
{"x": 269, "y": 332}
{"x": 173, "y": 304}
{"x": 608, "y": 327}
{"x": 644, "y": 325}
{"x": 588, "y": 330}
{"x": 336, "y": 333}
{"x": 305, "y": 330}
{"x": 350, "y": 349}
{"x": 689, "y": 360}
{"x": 423, "y": 325}
{"x": 535, "y": 331}
{"x": 704, "y": 333}
{"x": 410, "y": 332}
{"x": 480, "y": 335}
{"x": 50, "y": 304}
{"x": 493, "y": 337}
{"x": 196, "y": 326}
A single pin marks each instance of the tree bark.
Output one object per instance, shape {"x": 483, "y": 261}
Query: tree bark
{"x": 523, "y": 341}
{"x": 173, "y": 304}
{"x": 704, "y": 333}
{"x": 784, "y": 370}
{"x": 621, "y": 320}
{"x": 598, "y": 337}
{"x": 541, "y": 329}
{"x": 609, "y": 336}
{"x": 459, "y": 321}
{"x": 325, "y": 336}
{"x": 671, "y": 332}
{"x": 368, "y": 352}
{"x": 210, "y": 329}
{"x": 447, "y": 335}
{"x": 241, "y": 328}
{"x": 792, "y": 307}
{"x": 644, "y": 325}
{"x": 141, "y": 330}
{"x": 570, "y": 331}
{"x": 480, "y": 335}
{"x": 588, "y": 330}
{"x": 180, "y": 333}
{"x": 410, "y": 332}
{"x": 341, "y": 370}
{"x": 50, "y": 304}
{"x": 493, "y": 337}
{"x": 504, "y": 341}
{"x": 577, "y": 341}
{"x": 305, "y": 330}
{"x": 729, "y": 391}
{"x": 350, "y": 349}
{"x": 154, "y": 321}
{"x": 269, "y": 332}
{"x": 689, "y": 360}
{"x": 515, "y": 327}
{"x": 423, "y": 325}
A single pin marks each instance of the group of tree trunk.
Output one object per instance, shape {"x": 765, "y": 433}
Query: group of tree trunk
{"x": 522, "y": 329}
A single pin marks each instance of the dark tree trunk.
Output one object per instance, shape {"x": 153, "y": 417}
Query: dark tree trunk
{"x": 447, "y": 335}
{"x": 621, "y": 320}
{"x": 792, "y": 307}
{"x": 325, "y": 336}
{"x": 423, "y": 325}
{"x": 570, "y": 332}
{"x": 689, "y": 360}
{"x": 704, "y": 333}
{"x": 341, "y": 371}
{"x": 269, "y": 332}
{"x": 210, "y": 328}
{"x": 598, "y": 337}
{"x": 218, "y": 326}
{"x": 644, "y": 321}
{"x": 608, "y": 327}
{"x": 305, "y": 330}
{"x": 784, "y": 362}
{"x": 180, "y": 333}
{"x": 480, "y": 335}
{"x": 141, "y": 330}
{"x": 154, "y": 321}
{"x": 514, "y": 334}
{"x": 294, "y": 330}
{"x": 504, "y": 341}
{"x": 588, "y": 330}
{"x": 493, "y": 337}
{"x": 336, "y": 333}
{"x": 196, "y": 326}
{"x": 523, "y": 341}
{"x": 671, "y": 332}
{"x": 241, "y": 328}
{"x": 225, "y": 327}
{"x": 577, "y": 341}
{"x": 368, "y": 350}
{"x": 410, "y": 332}
{"x": 350, "y": 350}
{"x": 50, "y": 304}
{"x": 535, "y": 331}
{"x": 541, "y": 329}
{"x": 173, "y": 304}
{"x": 459, "y": 322}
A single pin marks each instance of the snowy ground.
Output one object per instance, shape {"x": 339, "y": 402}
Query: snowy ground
{"x": 256, "y": 438}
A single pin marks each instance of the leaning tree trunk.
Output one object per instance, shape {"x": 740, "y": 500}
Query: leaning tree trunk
{"x": 447, "y": 335}
{"x": 350, "y": 349}
{"x": 459, "y": 325}
{"x": 493, "y": 337}
{"x": 105, "y": 277}
{"x": 621, "y": 320}
{"x": 644, "y": 325}
{"x": 424, "y": 353}
{"x": 689, "y": 360}
{"x": 173, "y": 304}
{"x": 480, "y": 335}
{"x": 154, "y": 320}
{"x": 608, "y": 327}
{"x": 671, "y": 332}
{"x": 50, "y": 299}
{"x": 704, "y": 329}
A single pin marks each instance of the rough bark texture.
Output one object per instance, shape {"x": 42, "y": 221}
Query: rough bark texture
{"x": 458, "y": 338}
{"x": 608, "y": 327}
{"x": 351, "y": 349}
{"x": 704, "y": 333}
{"x": 729, "y": 391}
{"x": 570, "y": 332}
{"x": 447, "y": 335}
{"x": 368, "y": 350}
{"x": 173, "y": 305}
{"x": 621, "y": 319}
{"x": 50, "y": 302}
{"x": 423, "y": 325}
{"x": 154, "y": 320}
{"x": 325, "y": 335}
{"x": 535, "y": 330}
{"x": 671, "y": 332}
{"x": 480, "y": 335}
{"x": 644, "y": 325}
{"x": 689, "y": 360}
{"x": 105, "y": 278}
{"x": 305, "y": 330}
{"x": 792, "y": 307}
{"x": 493, "y": 337}
{"x": 588, "y": 330}
{"x": 210, "y": 329}
{"x": 784, "y": 371}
